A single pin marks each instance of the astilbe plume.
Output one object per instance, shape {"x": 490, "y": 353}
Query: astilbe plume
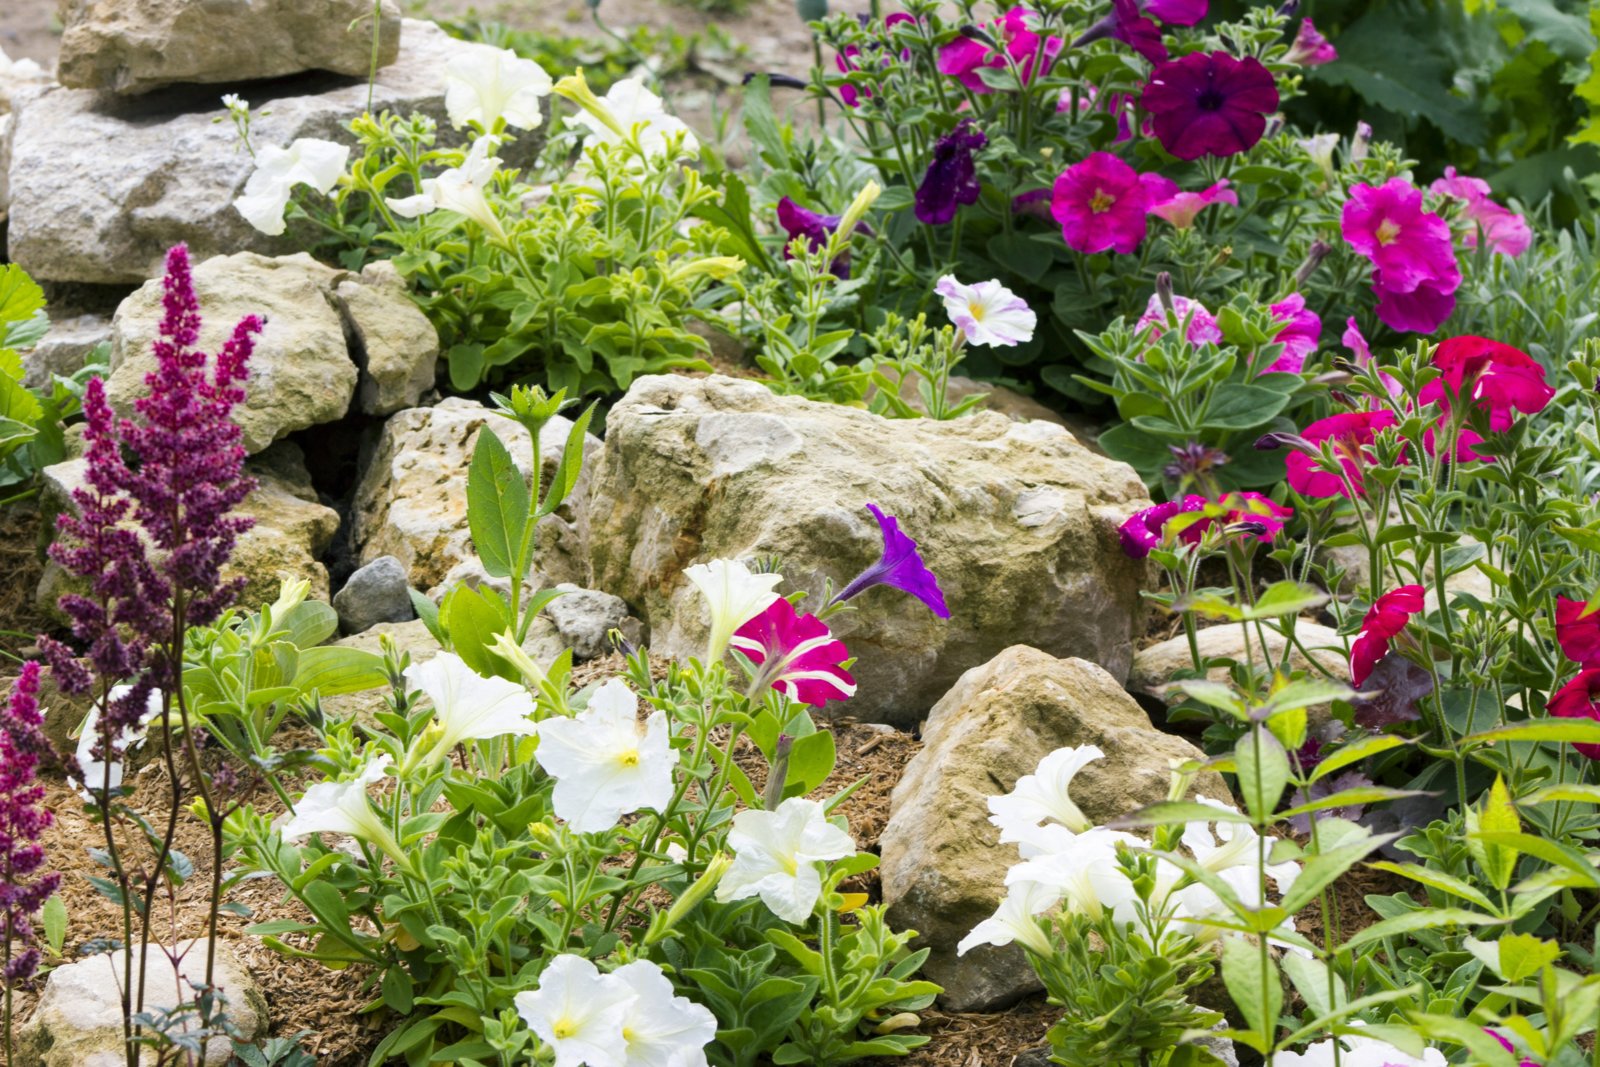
{"x": 23, "y": 817}
{"x": 182, "y": 477}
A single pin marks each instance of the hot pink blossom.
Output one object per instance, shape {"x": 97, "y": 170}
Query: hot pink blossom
{"x": 797, "y": 654}
{"x": 1145, "y": 529}
{"x": 1180, "y": 208}
{"x": 1353, "y": 339}
{"x": 1505, "y": 231}
{"x": 848, "y": 62}
{"x": 1415, "y": 273}
{"x": 1202, "y": 324}
{"x": 1101, "y": 204}
{"x": 1385, "y": 620}
{"x": 1576, "y": 700}
{"x": 965, "y": 58}
{"x": 1578, "y": 634}
{"x": 1310, "y": 48}
{"x": 1352, "y": 434}
{"x": 1264, "y": 514}
{"x": 1498, "y": 378}
{"x": 1299, "y": 337}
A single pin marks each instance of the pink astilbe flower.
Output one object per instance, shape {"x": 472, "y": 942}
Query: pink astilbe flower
{"x": 1384, "y": 621}
{"x": 185, "y": 479}
{"x": 23, "y": 818}
{"x": 796, "y": 654}
{"x": 1180, "y": 208}
{"x": 1505, "y": 231}
{"x": 1300, "y": 335}
{"x": 1310, "y": 48}
{"x": 1415, "y": 274}
{"x": 965, "y": 57}
{"x": 1203, "y": 326}
{"x": 1351, "y": 434}
{"x": 1210, "y": 104}
{"x": 1101, "y": 204}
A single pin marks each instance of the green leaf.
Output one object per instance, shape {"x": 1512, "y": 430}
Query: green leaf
{"x": 1515, "y": 957}
{"x": 1440, "y": 880}
{"x": 1313, "y": 980}
{"x": 332, "y": 670}
{"x": 53, "y": 916}
{"x": 1321, "y": 869}
{"x": 472, "y": 618}
{"x": 1241, "y": 407}
{"x": 1019, "y": 252}
{"x": 1570, "y": 731}
{"x": 1355, "y": 752}
{"x": 1254, "y": 984}
{"x": 497, "y": 504}
{"x": 1176, "y": 812}
{"x": 1263, "y": 771}
{"x": 308, "y": 623}
{"x": 571, "y": 464}
{"x": 1286, "y": 598}
{"x": 1425, "y": 919}
{"x": 1551, "y": 852}
{"x": 811, "y": 760}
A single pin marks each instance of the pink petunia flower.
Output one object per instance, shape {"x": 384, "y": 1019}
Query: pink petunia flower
{"x": 1310, "y": 48}
{"x": 1210, "y": 104}
{"x": 1353, "y": 339}
{"x": 1180, "y": 208}
{"x": 1299, "y": 337}
{"x": 964, "y": 58}
{"x": 1101, "y": 204}
{"x": 1415, "y": 275}
{"x": 1144, "y": 530}
{"x": 797, "y": 655}
{"x": 1387, "y": 617}
{"x": 1578, "y": 634}
{"x": 1202, "y": 324}
{"x": 847, "y": 61}
{"x": 1263, "y": 517}
{"x": 1352, "y": 434}
{"x": 1576, "y": 700}
{"x": 1505, "y": 231}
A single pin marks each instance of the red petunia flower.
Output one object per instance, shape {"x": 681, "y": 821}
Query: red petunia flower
{"x": 1388, "y": 616}
{"x": 1352, "y": 433}
{"x": 1578, "y": 634}
{"x": 1576, "y": 700}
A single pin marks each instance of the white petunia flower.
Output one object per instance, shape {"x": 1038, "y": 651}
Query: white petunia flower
{"x": 735, "y": 596}
{"x": 776, "y": 855}
{"x": 1085, "y": 873}
{"x": 1233, "y": 845}
{"x": 484, "y": 84}
{"x": 1041, "y": 797}
{"x": 1016, "y": 919}
{"x": 631, "y": 108}
{"x": 466, "y": 707}
{"x": 308, "y": 161}
{"x": 1320, "y": 149}
{"x": 987, "y": 313}
{"x": 603, "y": 766}
{"x": 661, "y": 1028}
{"x": 579, "y": 1013}
{"x": 1359, "y": 1052}
{"x": 94, "y": 771}
{"x": 459, "y": 189}
{"x": 343, "y": 808}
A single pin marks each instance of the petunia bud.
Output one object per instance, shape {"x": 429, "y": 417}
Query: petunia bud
{"x": 777, "y": 777}
{"x": 1318, "y": 252}
{"x": 1269, "y": 442}
{"x": 690, "y": 899}
{"x": 973, "y": 33}
{"x": 1164, "y": 294}
{"x": 1360, "y": 142}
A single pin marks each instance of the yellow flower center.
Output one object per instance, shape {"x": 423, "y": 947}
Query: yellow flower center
{"x": 976, "y": 311}
{"x": 1388, "y": 230}
{"x": 1101, "y": 202}
{"x": 564, "y": 1028}
{"x": 629, "y": 758}
{"x": 790, "y": 866}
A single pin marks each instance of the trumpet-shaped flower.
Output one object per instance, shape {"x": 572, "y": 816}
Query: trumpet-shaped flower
{"x": 987, "y": 313}
{"x": 660, "y": 1028}
{"x": 1359, "y": 1052}
{"x": 1577, "y": 700}
{"x": 466, "y": 707}
{"x": 579, "y": 1013}
{"x": 1415, "y": 274}
{"x": 1310, "y": 48}
{"x": 1125, "y": 22}
{"x": 1084, "y": 870}
{"x": 796, "y": 654}
{"x": 1209, "y": 104}
{"x": 899, "y": 565}
{"x": 775, "y": 856}
{"x": 1300, "y": 335}
{"x": 1203, "y": 326}
{"x": 1505, "y": 231}
{"x": 105, "y": 772}
{"x": 734, "y": 595}
{"x": 1016, "y": 919}
{"x": 343, "y": 808}
{"x": 966, "y": 57}
{"x": 1494, "y": 376}
{"x": 484, "y": 85}
{"x": 1145, "y": 529}
{"x": 629, "y": 109}
{"x": 1384, "y": 621}
{"x": 1042, "y": 797}
{"x": 604, "y": 766}
{"x": 308, "y": 161}
{"x": 1352, "y": 434}
{"x": 1181, "y": 208}
{"x": 1233, "y": 845}
{"x": 1102, "y": 204}
{"x": 459, "y": 189}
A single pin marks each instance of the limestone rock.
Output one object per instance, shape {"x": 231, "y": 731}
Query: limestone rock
{"x": 292, "y": 530}
{"x": 943, "y": 865}
{"x": 301, "y": 373}
{"x": 64, "y": 349}
{"x": 412, "y": 500}
{"x": 139, "y": 174}
{"x": 18, "y": 79}
{"x": 134, "y": 46}
{"x": 583, "y": 617}
{"x": 378, "y": 592}
{"x": 78, "y": 1020}
{"x": 392, "y": 341}
{"x": 1155, "y": 666}
{"x": 1018, "y": 520}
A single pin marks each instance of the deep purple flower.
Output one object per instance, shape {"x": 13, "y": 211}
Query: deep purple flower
{"x": 816, "y": 228}
{"x": 1126, "y": 23}
{"x": 952, "y": 178}
{"x": 1178, "y": 12}
{"x": 23, "y": 818}
{"x": 1210, "y": 104}
{"x": 901, "y": 566}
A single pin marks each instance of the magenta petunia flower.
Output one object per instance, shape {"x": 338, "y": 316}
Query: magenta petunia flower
{"x": 1498, "y": 378}
{"x": 797, "y": 655}
{"x": 952, "y": 177}
{"x": 1126, "y": 23}
{"x": 965, "y": 57}
{"x": 816, "y": 228}
{"x": 1210, "y": 104}
{"x": 1576, "y": 700}
{"x": 1178, "y": 12}
{"x": 1310, "y": 48}
{"x": 1386, "y": 618}
{"x": 1300, "y": 335}
{"x": 1578, "y": 634}
{"x": 900, "y": 565}
{"x": 1180, "y": 208}
{"x": 1144, "y": 529}
{"x": 1352, "y": 434}
{"x": 1101, "y": 204}
{"x": 1260, "y": 515}
{"x": 1415, "y": 275}
{"x": 847, "y": 62}
{"x": 1505, "y": 231}
{"x": 1422, "y": 310}
{"x": 1203, "y": 326}
{"x": 1356, "y": 342}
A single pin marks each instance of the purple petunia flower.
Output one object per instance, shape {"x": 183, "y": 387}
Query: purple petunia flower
{"x": 1126, "y": 23}
{"x": 901, "y": 566}
{"x": 952, "y": 178}
{"x": 1210, "y": 104}
{"x": 816, "y": 228}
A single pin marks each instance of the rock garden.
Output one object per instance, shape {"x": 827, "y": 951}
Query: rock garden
{"x": 721, "y": 534}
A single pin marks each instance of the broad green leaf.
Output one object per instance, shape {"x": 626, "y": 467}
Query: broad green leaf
{"x": 1263, "y": 770}
{"x": 1285, "y": 598}
{"x": 1570, "y": 731}
{"x": 1355, "y": 752}
{"x": 331, "y": 670}
{"x": 1322, "y": 990}
{"x": 1321, "y": 869}
{"x": 53, "y": 916}
{"x": 1497, "y": 816}
{"x": 1254, "y": 984}
{"x": 571, "y": 464}
{"x": 1426, "y": 919}
{"x": 1515, "y": 957}
{"x": 1551, "y": 852}
{"x": 472, "y": 618}
{"x": 1440, "y": 880}
{"x": 497, "y": 504}
{"x": 1177, "y": 812}
{"x": 308, "y": 623}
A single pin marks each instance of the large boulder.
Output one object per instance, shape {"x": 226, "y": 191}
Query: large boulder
{"x": 134, "y": 46}
{"x": 64, "y": 349}
{"x": 943, "y": 865}
{"x": 1018, "y": 520}
{"x": 139, "y": 174}
{"x": 412, "y": 500}
{"x": 301, "y": 373}
{"x": 78, "y": 1020}
{"x": 391, "y": 340}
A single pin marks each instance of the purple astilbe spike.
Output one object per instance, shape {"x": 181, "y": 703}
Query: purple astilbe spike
{"x": 900, "y": 566}
{"x": 23, "y": 818}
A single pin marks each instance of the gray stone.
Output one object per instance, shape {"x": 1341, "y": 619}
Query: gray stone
{"x": 78, "y": 1020}
{"x": 378, "y": 592}
{"x": 943, "y": 866}
{"x": 137, "y": 175}
{"x": 391, "y": 340}
{"x": 134, "y": 46}
{"x": 1155, "y": 666}
{"x": 64, "y": 349}
{"x": 1017, "y": 519}
{"x": 583, "y": 618}
{"x": 301, "y": 373}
